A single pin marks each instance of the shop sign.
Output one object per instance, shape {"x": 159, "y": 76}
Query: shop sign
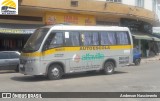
{"x": 17, "y": 31}
{"x": 75, "y": 19}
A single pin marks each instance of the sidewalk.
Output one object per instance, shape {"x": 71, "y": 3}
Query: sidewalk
{"x": 150, "y": 59}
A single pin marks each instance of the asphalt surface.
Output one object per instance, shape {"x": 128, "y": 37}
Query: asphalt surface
{"x": 143, "y": 78}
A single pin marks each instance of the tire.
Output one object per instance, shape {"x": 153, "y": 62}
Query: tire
{"x": 109, "y": 67}
{"x": 137, "y": 62}
{"x": 55, "y": 72}
{"x": 17, "y": 68}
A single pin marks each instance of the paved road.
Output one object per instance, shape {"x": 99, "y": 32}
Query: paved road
{"x": 143, "y": 78}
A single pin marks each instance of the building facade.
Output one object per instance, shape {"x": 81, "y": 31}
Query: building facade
{"x": 158, "y": 10}
{"x": 139, "y": 15}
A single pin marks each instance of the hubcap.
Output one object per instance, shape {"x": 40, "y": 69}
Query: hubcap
{"x": 55, "y": 72}
{"x": 109, "y": 68}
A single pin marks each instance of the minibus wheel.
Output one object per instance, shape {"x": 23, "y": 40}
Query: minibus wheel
{"x": 55, "y": 72}
{"x": 109, "y": 67}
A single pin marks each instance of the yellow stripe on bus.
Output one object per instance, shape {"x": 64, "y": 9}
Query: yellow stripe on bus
{"x": 70, "y": 49}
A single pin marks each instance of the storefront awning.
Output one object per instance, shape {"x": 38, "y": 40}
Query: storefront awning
{"x": 16, "y": 31}
{"x": 156, "y": 35}
{"x": 6, "y": 28}
{"x": 156, "y": 39}
{"x": 143, "y": 36}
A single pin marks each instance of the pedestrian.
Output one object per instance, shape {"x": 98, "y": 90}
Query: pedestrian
{"x": 156, "y": 48}
{"x": 147, "y": 49}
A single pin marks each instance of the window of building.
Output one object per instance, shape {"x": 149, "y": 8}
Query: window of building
{"x": 72, "y": 39}
{"x": 119, "y": 1}
{"x": 74, "y": 3}
{"x": 154, "y": 3}
{"x": 140, "y": 3}
{"x": 108, "y": 38}
{"x": 89, "y": 38}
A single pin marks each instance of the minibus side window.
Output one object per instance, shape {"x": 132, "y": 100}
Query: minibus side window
{"x": 122, "y": 38}
{"x": 89, "y": 38}
{"x": 72, "y": 39}
{"x": 108, "y": 38}
{"x": 55, "y": 39}
{"x": 95, "y": 38}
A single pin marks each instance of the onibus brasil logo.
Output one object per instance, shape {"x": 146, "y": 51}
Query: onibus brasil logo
{"x": 9, "y": 7}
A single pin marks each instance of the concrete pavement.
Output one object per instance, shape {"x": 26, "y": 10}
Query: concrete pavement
{"x": 151, "y": 59}
{"x": 142, "y": 78}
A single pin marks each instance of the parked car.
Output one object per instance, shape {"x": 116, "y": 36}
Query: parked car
{"x": 136, "y": 57}
{"x": 9, "y": 60}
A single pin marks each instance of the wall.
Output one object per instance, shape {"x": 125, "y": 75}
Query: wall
{"x": 129, "y": 2}
{"x": 91, "y": 7}
{"x": 148, "y": 4}
{"x": 158, "y": 13}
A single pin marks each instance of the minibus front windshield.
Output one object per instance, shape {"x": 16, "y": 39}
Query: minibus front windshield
{"x": 34, "y": 42}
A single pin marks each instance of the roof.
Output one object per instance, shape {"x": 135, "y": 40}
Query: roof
{"x": 145, "y": 36}
{"x": 87, "y": 28}
{"x": 20, "y": 26}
